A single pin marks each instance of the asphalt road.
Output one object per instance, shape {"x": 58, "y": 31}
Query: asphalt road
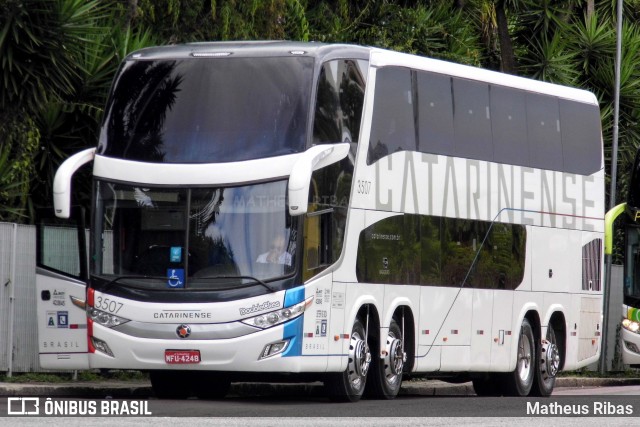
{"x": 601, "y": 405}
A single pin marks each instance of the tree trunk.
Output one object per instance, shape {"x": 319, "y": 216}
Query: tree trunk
{"x": 132, "y": 12}
{"x": 507, "y": 58}
{"x": 591, "y": 7}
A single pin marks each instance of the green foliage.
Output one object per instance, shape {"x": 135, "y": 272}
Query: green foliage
{"x": 39, "y": 44}
{"x": 20, "y": 138}
{"x": 58, "y": 57}
{"x": 180, "y": 21}
{"x": 432, "y": 29}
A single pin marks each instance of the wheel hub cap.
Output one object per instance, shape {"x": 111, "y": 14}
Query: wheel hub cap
{"x": 550, "y": 358}
{"x": 361, "y": 358}
{"x": 396, "y": 357}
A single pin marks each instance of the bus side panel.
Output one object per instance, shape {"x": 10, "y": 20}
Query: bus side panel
{"x": 501, "y": 342}
{"x": 556, "y": 260}
{"x": 584, "y": 335}
{"x": 62, "y": 326}
{"x": 481, "y": 330}
{"x": 455, "y": 334}
{"x": 337, "y": 349}
{"x": 317, "y": 318}
{"x": 428, "y": 359}
{"x": 434, "y": 305}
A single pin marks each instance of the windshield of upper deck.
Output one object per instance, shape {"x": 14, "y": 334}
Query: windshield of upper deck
{"x": 208, "y": 110}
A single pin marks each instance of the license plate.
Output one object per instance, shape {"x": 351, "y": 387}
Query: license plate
{"x": 176, "y": 357}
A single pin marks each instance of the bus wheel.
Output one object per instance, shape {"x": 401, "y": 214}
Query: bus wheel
{"x": 170, "y": 384}
{"x": 348, "y": 386}
{"x": 386, "y": 375}
{"x": 520, "y": 381}
{"x": 548, "y": 365}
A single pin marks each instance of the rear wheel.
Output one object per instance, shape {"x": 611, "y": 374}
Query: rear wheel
{"x": 386, "y": 374}
{"x": 520, "y": 381}
{"x": 548, "y": 364}
{"x": 348, "y": 386}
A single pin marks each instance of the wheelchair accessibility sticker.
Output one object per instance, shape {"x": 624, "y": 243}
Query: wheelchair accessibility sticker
{"x": 175, "y": 278}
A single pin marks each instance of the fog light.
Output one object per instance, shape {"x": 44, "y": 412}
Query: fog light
{"x": 631, "y": 347}
{"x": 101, "y": 346}
{"x": 273, "y": 349}
{"x": 630, "y": 325}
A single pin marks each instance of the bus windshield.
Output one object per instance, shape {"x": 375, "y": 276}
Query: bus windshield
{"x": 192, "y": 238}
{"x": 208, "y": 110}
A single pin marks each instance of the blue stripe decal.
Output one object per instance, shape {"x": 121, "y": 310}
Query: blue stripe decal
{"x": 293, "y": 329}
{"x": 293, "y": 296}
{"x": 293, "y": 332}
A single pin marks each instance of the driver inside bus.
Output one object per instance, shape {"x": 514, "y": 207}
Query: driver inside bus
{"x": 276, "y": 253}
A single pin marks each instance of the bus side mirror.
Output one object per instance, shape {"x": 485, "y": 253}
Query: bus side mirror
{"x": 62, "y": 181}
{"x": 313, "y": 159}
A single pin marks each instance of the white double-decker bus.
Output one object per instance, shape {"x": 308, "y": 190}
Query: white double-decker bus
{"x": 343, "y": 213}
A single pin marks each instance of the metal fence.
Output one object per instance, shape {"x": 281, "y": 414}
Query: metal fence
{"x": 18, "y": 319}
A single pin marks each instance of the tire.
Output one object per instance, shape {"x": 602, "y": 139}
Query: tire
{"x": 348, "y": 386}
{"x": 386, "y": 374}
{"x": 488, "y": 385}
{"x": 210, "y": 385}
{"x": 548, "y": 364}
{"x": 520, "y": 381}
{"x": 170, "y": 384}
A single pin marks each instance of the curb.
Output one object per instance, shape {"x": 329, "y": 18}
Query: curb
{"x": 112, "y": 389}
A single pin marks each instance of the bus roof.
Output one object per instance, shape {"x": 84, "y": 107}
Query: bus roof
{"x": 378, "y": 58}
{"x": 321, "y": 51}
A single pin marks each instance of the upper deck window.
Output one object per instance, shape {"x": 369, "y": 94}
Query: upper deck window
{"x": 208, "y": 110}
{"x": 451, "y": 116}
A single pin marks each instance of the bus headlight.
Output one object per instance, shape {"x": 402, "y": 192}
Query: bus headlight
{"x": 630, "y": 325}
{"x": 105, "y": 319}
{"x": 277, "y": 317}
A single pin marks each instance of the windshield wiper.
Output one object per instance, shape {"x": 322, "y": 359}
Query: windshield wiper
{"x": 255, "y": 279}
{"x": 163, "y": 278}
{"x": 110, "y": 283}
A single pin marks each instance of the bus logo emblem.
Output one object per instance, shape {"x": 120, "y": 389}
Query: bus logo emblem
{"x": 183, "y": 331}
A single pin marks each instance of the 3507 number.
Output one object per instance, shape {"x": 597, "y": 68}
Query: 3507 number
{"x": 364, "y": 187}
{"x": 106, "y": 304}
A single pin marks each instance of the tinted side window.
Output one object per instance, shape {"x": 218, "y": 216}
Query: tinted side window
{"x": 435, "y": 113}
{"x": 543, "y": 125}
{"x": 339, "y": 100}
{"x": 389, "y": 251}
{"x": 437, "y": 251}
{"x": 61, "y": 244}
{"x": 326, "y": 220}
{"x": 580, "y": 137}
{"x": 392, "y": 127}
{"x": 509, "y": 126}
{"x": 472, "y": 120}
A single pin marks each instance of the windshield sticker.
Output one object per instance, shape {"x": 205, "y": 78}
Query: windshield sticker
{"x": 176, "y": 254}
{"x": 51, "y": 316}
{"x": 63, "y": 319}
{"x": 175, "y": 278}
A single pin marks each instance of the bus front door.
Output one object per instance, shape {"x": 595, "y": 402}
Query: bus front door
{"x": 61, "y": 277}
